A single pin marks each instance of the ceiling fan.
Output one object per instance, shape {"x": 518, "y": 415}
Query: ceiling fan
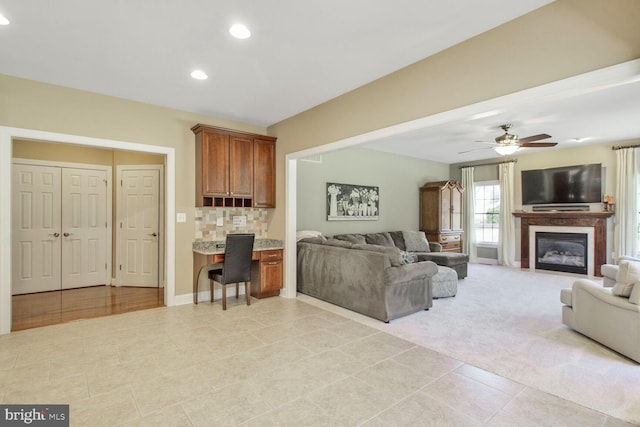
{"x": 509, "y": 143}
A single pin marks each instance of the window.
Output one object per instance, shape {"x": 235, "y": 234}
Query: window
{"x": 487, "y": 211}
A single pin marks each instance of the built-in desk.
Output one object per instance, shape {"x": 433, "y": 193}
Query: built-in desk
{"x": 266, "y": 269}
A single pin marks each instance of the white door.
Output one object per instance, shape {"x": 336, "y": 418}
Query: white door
{"x": 84, "y": 227}
{"x": 36, "y": 233}
{"x": 139, "y": 227}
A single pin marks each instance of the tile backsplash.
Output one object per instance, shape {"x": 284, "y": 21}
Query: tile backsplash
{"x": 206, "y": 219}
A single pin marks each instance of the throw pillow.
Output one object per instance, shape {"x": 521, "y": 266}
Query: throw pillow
{"x": 381, "y": 239}
{"x": 628, "y": 274}
{"x": 408, "y": 257}
{"x": 622, "y": 289}
{"x": 415, "y": 241}
{"x": 303, "y": 234}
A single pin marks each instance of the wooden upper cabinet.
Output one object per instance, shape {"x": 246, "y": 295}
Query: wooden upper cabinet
{"x": 214, "y": 164}
{"x": 264, "y": 158}
{"x": 234, "y": 168}
{"x": 240, "y": 166}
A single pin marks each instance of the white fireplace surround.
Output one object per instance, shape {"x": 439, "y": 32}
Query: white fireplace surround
{"x": 589, "y": 231}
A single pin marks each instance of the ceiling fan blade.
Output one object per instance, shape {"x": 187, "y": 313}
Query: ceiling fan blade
{"x": 535, "y": 137}
{"x": 538, "y": 144}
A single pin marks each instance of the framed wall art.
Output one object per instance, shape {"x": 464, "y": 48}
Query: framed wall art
{"x": 350, "y": 202}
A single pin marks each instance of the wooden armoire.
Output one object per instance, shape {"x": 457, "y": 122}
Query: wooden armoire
{"x": 441, "y": 214}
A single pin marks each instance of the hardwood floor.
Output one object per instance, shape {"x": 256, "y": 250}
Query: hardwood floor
{"x": 50, "y": 308}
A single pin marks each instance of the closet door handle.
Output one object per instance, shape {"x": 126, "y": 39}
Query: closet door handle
{"x": 56, "y": 234}
{"x": 154, "y": 234}
{"x": 67, "y": 234}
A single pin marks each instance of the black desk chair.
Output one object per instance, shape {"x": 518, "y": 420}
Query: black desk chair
{"x": 236, "y": 266}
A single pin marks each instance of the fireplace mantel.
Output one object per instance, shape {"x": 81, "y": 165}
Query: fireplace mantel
{"x": 597, "y": 220}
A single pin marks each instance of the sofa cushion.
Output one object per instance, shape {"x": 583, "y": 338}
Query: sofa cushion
{"x": 398, "y": 240}
{"x": 316, "y": 240}
{"x": 353, "y": 238}
{"x": 415, "y": 241}
{"x": 628, "y": 274}
{"x": 393, "y": 253}
{"x": 381, "y": 239}
{"x": 337, "y": 242}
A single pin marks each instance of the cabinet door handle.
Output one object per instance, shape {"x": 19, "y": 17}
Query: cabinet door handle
{"x": 272, "y": 263}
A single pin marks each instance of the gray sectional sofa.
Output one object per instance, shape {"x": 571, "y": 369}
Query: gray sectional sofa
{"x": 370, "y": 279}
{"x": 416, "y": 244}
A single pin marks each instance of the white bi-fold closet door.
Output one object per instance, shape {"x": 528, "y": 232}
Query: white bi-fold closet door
{"x": 59, "y": 228}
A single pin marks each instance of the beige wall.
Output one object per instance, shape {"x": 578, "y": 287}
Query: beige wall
{"x": 566, "y": 38}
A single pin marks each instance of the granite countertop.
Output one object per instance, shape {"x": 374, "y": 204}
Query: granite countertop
{"x": 211, "y": 247}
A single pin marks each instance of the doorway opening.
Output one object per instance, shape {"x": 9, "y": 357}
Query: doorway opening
{"x": 68, "y": 222}
{"x": 7, "y": 137}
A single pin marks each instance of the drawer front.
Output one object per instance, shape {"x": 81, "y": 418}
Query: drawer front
{"x": 451, "y": 242}
{"x": 271, "y": 255}
{"x": 450, "y": 238}
{"x": 451, "y": 247}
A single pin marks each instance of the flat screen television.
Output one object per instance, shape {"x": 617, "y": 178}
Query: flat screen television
{"x": 567, "y": 184}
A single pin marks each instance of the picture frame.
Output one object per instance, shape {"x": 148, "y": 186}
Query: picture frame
{"x": 352, "y": 202}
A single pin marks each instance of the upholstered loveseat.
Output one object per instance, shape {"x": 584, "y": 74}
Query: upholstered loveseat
{"x": 370, "y": 279}
{"x": 416, "y": 245}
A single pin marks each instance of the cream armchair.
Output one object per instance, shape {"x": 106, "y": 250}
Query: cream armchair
{"x": 596, "y": 312}
{"x": 609, "y": 271}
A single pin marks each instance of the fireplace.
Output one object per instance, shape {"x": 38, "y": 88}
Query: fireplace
{"x": 567, "y": 252}
{"x": 594, "y": 224}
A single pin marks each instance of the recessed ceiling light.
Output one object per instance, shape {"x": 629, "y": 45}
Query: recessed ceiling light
{"x": 199, "y": 75}
{"x": 3, "y": 20}
{"x": 240, "y": 31}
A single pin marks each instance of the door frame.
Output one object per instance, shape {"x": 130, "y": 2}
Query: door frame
{"x": 108, "y": 170}
{"x": 7, "y": 135}
{"x": 120, "y": 215}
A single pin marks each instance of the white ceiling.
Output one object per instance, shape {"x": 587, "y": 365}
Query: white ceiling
{"x": 301, "y": 53}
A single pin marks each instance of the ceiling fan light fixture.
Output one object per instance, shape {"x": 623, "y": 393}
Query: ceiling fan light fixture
{"x": 505, "y": 150}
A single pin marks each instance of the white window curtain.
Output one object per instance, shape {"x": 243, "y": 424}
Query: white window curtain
{"x": 625, "y": 231}
{"x": 469, "y": 241}
{"x": 507, "y": 233}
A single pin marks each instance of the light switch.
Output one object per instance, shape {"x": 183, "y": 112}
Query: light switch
{"x": 220, "y": 221}
{"x": 239, "y": 221}
{"x": 181, "y": 217}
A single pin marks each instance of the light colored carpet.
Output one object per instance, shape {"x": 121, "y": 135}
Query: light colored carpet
{"x": 508, "y": 321}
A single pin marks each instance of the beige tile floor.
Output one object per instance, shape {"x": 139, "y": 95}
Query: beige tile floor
{"x": 278, "y": 362}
